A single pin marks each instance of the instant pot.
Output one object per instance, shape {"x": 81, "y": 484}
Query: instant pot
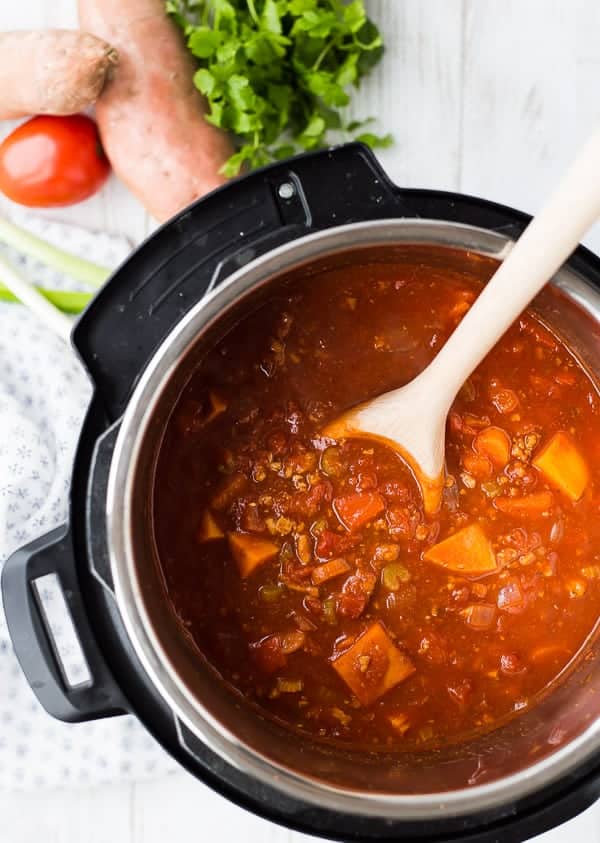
{"x": 139, "y": 340}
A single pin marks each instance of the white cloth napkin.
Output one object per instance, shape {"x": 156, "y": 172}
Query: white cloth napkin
{"x": 43, "y": 396}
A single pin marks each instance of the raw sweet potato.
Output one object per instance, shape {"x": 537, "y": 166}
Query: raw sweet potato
{"x": 53, "y": 71}
{"x": 151, "y": 117}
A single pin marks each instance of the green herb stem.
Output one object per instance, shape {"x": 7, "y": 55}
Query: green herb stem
{"x": 66, "y": 300}
{"x": 29, "y": 244}
{"x": 322, "y": 55}
{"x": 252, "y": 10}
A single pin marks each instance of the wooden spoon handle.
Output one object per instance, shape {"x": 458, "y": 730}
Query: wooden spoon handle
{"x": 543, "y": 247}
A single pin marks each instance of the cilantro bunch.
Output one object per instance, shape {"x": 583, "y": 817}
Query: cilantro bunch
{"x": 277, "y": 72}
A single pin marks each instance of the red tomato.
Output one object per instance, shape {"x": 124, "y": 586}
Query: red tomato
{"x": 51, "y": 161}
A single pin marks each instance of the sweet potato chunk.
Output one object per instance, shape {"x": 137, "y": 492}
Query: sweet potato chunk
{"x": 229, "y": 489}
{"x": 525, "y": 505}
{"x": 372, "y": 665}
{"x": 217, "y": 406}
{"x": 250, "y": 551}
{"x": 467, "y": 552}
{"x": 494, "y": 444}
{"x": 358, "y": 509}
{"x": 563, "y": 466}
{"x": 209, "y": 529}
{"x": 329, "y": 570}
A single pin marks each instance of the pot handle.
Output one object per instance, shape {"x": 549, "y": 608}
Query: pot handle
{"x": 35, "y": 645}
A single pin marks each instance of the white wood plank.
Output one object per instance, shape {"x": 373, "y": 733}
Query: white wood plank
{"x": 415, "y": 91}
{"x": 94, "y": 816}
{"x": 519, "y": 126}
{"x": 176, "y": 807}
{"x": 529, "y": 97}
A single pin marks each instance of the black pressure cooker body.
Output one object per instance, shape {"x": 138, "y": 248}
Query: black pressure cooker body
{"x": 116, "y": 337}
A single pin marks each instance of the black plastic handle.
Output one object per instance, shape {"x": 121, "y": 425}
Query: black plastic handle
{"x": 33, "y": 641}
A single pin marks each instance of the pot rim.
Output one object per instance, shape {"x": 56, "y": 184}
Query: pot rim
{"x": 119, "y": 515}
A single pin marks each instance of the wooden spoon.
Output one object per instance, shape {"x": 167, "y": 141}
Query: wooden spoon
{"x": 412, "y": 419}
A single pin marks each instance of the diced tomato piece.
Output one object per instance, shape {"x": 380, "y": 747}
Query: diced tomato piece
{"x": 460, "y": 691}
{"x": 434, "y": 648}
{"x": 366, "y": 482}
{"x": 251, "y": 520}
{"x": 351, "y": 604}
{"x": 480, "y": 616}
{"x": 545, "y": 386}
{"x": 468, "y": 424}
{"x": 327, "y": 543}
{"x": 455, "y": 422}
{"x": 400, "y": 522}
{"x": 333, "y": 544}
{"x": 565, "y": 378}
{"x": 512, "y": 664}
{"x": 504, "y": 400}
{"x": 355, "y": 595}
{"x": 563, "y": 466}
{"x": 511, "y": 598}
{"x": 525, "y": 506}
{"x": 472, "y": 423}
{"x": 250, "y": 551}
{"x": 373, "y": 665}
{"x": 395, "y": 490}
{"x": 317, "y": 495}
{"x": 329, "y": 570}
{"x": 493, "y": 443}
{"x": 358, "y": 509}
{"x": 268, "y": 654}
{"x": 308, "y": 503}
{"x": 467, "y": 552}
{"x": 477, "y": 465}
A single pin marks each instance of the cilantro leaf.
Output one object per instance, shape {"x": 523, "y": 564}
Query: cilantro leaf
{"x": 276, "y": 73}
{"x": 375, "y": 141}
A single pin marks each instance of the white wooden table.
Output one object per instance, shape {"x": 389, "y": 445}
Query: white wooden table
{"x": 484, "y": 97}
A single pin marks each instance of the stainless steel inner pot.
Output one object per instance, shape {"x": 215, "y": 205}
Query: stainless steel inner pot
{"x": 524, "y": 755}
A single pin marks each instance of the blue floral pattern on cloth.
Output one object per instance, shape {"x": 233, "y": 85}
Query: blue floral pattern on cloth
{"x": 44, "y": 393}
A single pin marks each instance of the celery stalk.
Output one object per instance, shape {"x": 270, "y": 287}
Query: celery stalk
{"x": 66, "y": 300}
{"x": 29, "y": 244}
